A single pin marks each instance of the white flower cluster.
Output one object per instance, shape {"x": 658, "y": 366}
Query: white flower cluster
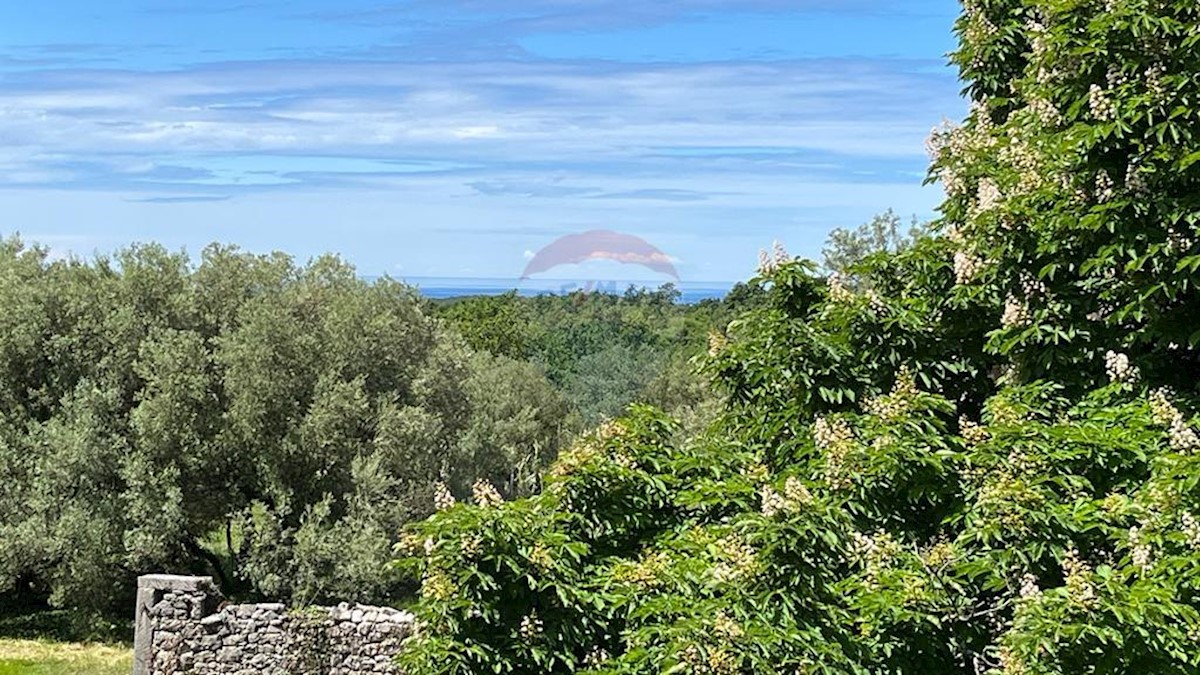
{"x": 1115, "y": 77}
{"x": 988, "y": 196}
{"x": 838, "y": 291}
{"x": 972, "y": 432}
{"x": 836, "y": 440}
{"x": 1016, "y": 313}
{"x": 1037, "y": 38}
{"x": 756, "y": 472}
{"x": 1162, "y": 409}
{"x": 875, "y": 552}
{"x": 898, "y": 402}
{"x": 796, "y": 492}
{"x": 1180, "y": 435}
{"x": 741, "y": 560}
{"x": 1078, "y": 575}
{"x": 1178, "y": 242}
{"x": 766, "y": 265}
{"x": 876, "y": 302}
{"x": 437, "y": 585}
{"x": 485, "y": 494}
{"x": 956, "y": 235}
{"x": 624, "y": 459}
{"x": 1141, "y": 553}
{"x": 862, "y": 545}
{"x": 1029, "y": 588}
{"x": 1101, "y": 106}
{"x": 1135, "y": 182}
{"x": 1022, "y": 157}
{"x": 940, "y": 139}
{"x": 940, "y": 554}
{"x": 411, "y": 545}
{"x": 727, "y": 627}
{"x": 1032, "y": 287}
{"x": 1191, "y": 529}
{"x": 769, "y": 261}
{"x": 442, "y": 498}
{"x": 531, "y": 626}
{"x": 1045, "y": 111}
{"x": 718, "y": 661}
{"x": 1154, "y": 82}
{"x": 596, "y": 657}
{"x": 979, "y": 30}
{"x": 948, "y": 146}
{"x": 1105, "y": 187}
{"x": 952, "y": 181}
{"x": 967, "y": 267}
{"x": 470, "y": 545}
{"x": 879, "y": 548}
{"x": 773, "y": 503}
{"x": 795, "y": 495}
{"x": 781, "y": 254}
{"x": 981, "y": 121}
{"x": 646, "y": 573}
{"x": 539, "y": 556}
{"x": 1010, "y": 663}
{"x": 1119, "y": 368}
{"x": 716, "y": 342}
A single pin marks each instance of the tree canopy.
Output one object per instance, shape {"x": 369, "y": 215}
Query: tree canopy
{"x": 270, "y": 423}
{"x": 976, "y": 454}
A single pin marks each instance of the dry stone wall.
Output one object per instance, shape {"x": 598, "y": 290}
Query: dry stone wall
{"x": 184, "y": 628}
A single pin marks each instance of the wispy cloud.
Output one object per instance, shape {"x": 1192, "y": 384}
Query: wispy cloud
{"x": 660, "y": 194}
{"x": 553, "y": 15}
{"x": 189, "y": 199}
{"x": 445, "y": 117}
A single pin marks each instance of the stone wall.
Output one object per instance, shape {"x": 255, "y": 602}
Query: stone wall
{"x": 184, "y": 627}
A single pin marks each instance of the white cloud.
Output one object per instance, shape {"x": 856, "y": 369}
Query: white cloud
{"x": 482, "y": 112}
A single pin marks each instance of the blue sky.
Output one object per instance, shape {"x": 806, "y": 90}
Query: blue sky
{"x": 456, "y": 137}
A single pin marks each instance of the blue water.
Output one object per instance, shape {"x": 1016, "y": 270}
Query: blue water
{"x": 454, "y": 287}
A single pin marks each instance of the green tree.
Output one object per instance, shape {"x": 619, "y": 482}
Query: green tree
{"x": 962, "y": 457}
{"x": 847, "y": 248}
{"x": 269, "y": 423}
{"x": 500, "y": 325}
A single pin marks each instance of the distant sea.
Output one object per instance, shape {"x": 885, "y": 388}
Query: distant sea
{"x": 454, "y": 287}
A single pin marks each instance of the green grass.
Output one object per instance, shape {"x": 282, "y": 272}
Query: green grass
{"x": 39, "y": 657}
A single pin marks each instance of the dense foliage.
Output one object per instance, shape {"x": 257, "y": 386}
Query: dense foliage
{"x": 976, "y": 455}
{"x": 269, "y": 423}
{"x": 603, "y": 350}
{"x": 847, "y": 247}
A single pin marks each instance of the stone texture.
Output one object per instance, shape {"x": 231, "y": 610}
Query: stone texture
{"x": 182, "y": 628}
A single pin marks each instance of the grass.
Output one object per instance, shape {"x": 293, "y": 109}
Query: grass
{"x": 39, "y": 657}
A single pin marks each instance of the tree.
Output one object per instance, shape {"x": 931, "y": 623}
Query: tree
{"x": 968, "y": 460}
{"x": 847, "y": 248}
{"x": 499, "y": 325}
{"x": 268, "y": 423}
{"x": 1071, "y": 186}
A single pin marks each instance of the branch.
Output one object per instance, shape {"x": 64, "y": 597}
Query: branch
{"x": 212, "y": 560}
